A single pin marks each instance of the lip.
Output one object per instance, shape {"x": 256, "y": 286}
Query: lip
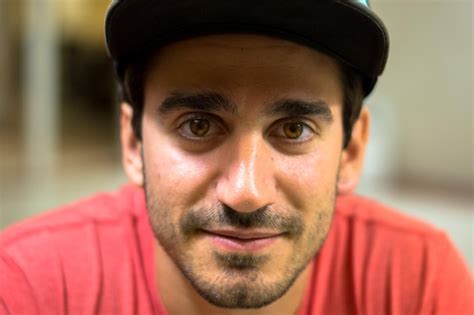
{"x": 242, "y": 240}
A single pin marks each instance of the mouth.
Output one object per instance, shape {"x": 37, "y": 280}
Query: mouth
{"x": 242, "y": 240}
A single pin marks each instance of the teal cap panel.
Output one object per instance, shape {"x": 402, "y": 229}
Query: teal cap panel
{"x": 363, "y": 2}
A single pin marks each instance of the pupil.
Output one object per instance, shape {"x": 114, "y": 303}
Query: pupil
{"x": 293, "y": 131}
{"x": 199, "y": 127}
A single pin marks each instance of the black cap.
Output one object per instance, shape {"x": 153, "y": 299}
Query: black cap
{"x": 347, "y": 30}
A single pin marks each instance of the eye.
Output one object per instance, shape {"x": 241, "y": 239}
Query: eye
{"x": 293, "y": 131}
{"x": 200, "y": 128}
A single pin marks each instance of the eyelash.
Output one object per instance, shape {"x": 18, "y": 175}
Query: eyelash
{"x": 295, "y": 120}
{"x": 216, "y": 123}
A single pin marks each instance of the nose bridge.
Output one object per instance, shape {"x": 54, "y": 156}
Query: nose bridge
{"x": 247, "y": 182}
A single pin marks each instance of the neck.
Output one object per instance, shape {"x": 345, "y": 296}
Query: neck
{"x": 179, "y": 297}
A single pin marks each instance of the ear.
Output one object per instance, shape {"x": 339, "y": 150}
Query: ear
{"x": 352, "y": 158}
{"x": 131, "y": 146}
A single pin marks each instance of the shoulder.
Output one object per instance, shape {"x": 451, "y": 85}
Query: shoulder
{"x": 72, "y": 250}
{"x": 99, "y": 209}
{"x": 377, "y": 217}
{"x": 391, "y": 239}
{"x": 388, "y": 254}
{"x": 75, "y": 230}
{"x": 366, "y": 230}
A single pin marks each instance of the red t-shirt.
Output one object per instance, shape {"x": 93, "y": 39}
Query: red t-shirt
{"x": 96, "y": 257}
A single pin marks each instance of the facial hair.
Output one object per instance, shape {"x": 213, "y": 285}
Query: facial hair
{"x": 250, "y": 290}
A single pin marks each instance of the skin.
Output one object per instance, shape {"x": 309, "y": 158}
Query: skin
{"x": 277, "y": 171}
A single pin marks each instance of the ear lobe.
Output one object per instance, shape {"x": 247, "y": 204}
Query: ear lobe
{"x": 352, "y": 158}
{"x": 346, "y": 186}
{"x": 131, "y": 146}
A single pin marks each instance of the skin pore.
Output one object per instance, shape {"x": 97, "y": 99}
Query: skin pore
{"x": 241, "y": 158}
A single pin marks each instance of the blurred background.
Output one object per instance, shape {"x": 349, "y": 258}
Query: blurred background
{"x": 59, "y": 115}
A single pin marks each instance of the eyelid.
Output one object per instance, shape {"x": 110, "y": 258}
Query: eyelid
{"x": 214, "y": 120}
{"x": 298, "y": 120}
{"x": 198, "y": 115}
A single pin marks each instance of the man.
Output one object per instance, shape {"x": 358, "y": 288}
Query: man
{"x": 243, "y": 136}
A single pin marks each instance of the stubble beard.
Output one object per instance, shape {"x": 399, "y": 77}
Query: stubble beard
{"x": 221, "y": 289}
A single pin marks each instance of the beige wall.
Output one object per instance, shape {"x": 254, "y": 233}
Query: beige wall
{"x": 429, "y": 85}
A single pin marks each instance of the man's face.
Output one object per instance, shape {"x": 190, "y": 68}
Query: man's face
{"x": 242, "y": 140}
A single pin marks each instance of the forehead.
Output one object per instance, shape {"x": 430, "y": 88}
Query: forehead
{"x": 244, "y": 65}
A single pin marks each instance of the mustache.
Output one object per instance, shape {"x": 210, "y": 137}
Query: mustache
{"x": 222, "y": 216}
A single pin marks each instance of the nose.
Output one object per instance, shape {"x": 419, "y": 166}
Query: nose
{"x": 247, "y": 180}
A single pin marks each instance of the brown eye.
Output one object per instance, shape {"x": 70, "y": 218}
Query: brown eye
{"x": 199, "y": 127}
{"x": 293, "y": 130}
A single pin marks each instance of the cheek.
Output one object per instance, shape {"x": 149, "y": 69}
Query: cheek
{"x": 168, "y": 167}
{"x": 175, "y": 178}
{"x": 309, "y": 180}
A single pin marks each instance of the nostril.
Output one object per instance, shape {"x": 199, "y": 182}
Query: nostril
{"x": 243, "y": 195}
{"x": 245, "y": 181}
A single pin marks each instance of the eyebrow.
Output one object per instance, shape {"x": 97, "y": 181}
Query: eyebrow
{"x": 210, "y": 101}
{"x": 295, "y": 107}
{"x": 203, "y": 101}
